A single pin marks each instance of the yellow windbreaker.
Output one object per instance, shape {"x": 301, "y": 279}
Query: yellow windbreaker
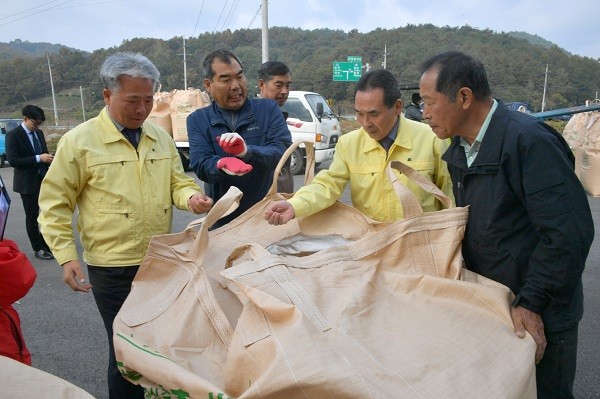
{"x": 361, "y": 161}
{"x": 123, "y": 197}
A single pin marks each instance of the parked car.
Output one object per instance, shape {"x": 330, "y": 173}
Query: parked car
{"x": 519, "y": 106}
{"x": 6, "y": 125}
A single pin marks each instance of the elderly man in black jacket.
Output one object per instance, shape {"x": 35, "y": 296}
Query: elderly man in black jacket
{"x": 530, "y": 225}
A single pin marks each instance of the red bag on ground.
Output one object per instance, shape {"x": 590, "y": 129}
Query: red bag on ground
{"x": 17, "y": 276}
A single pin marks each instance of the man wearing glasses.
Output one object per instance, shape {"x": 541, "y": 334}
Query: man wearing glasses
{"x": 27, "y": 153}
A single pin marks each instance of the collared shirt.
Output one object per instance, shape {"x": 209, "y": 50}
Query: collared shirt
{"x": 471, "y": 150}
{"x": 121, "y": 127}
{"x": 394, "y": 132}
{"x": 30, "y": 134}
{"x": 388, "y": 140}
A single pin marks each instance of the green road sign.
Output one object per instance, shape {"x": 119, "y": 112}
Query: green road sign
{"x": 355, "y": 58}
{"x": 346, "y": 71}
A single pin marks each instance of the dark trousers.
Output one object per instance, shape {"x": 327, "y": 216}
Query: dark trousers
{"x": 555, "y": 373}
{"x": 110, "y": 286}
{"x": 32, "y": 211}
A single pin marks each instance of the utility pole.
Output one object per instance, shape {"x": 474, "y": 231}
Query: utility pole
{"x": 184, "y": 67}
{"x": 544, "y": 95}
{"x": 82, "y": 107}
{"x": 53, "y": 96}
{"x": 384, "y": 63}
{"x": 265, "y": 31}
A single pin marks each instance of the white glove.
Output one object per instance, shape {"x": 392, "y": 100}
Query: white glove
{"x": 233, "y": 143}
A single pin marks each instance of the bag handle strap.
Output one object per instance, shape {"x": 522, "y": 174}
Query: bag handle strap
{"x": 223, "y": 207}
{"x": 411, "y": 206}
{"x": 253, "y": 324}
{"x": 309, "y": 170}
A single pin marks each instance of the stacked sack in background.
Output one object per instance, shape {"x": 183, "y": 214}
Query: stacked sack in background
{"x": 582, "y": 133}
{"x": 170, "y": 110}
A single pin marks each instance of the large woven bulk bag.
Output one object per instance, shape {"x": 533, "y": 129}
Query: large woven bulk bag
{"x": 383, "y": 311}
{"x": 26, "y": 382}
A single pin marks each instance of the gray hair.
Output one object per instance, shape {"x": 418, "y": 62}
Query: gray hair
{"x": 127, "y": 64}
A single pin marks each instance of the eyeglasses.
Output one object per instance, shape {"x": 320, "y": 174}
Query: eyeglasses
{"x": 36, "y": 123}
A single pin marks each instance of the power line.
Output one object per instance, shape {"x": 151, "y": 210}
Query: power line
{"x": 32, "y": 8}
{"x": 230, "y": 14}
{"x": 55, "y": 7}
{"x": 198, "y": 19}
{"x": 220, "y": 15}
{"x": 255, "y": 15}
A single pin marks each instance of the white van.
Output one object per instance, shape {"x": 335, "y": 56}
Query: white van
{"x": 311, "y": 119}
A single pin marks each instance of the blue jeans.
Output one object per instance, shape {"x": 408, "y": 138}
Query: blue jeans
{"x": 110, "y": 286}
{"x": 555, "y": 373}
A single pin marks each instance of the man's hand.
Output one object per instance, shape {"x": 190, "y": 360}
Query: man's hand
{"x": 200, "y": 203}
{"x": 74, "y": 277}
{"x": 524, "y": 319}
{"x": 233, "y": 166}
{"x": 233, "y": 143}
{"x": 280, "y": 213}
{"x": 46, "y": 158}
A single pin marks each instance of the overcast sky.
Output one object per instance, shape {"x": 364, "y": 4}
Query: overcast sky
{"x": 93, "y": 24}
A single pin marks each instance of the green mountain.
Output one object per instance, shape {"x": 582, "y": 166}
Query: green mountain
{"x": 515, "y": 62}
{"x": 533, "y": 39}
{"x": 18, "y": 48}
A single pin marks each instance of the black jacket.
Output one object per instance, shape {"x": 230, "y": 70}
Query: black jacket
{"x": 21, "y": 156}
{"x": 413, "y": 112}
{"x": 530, "y": 225}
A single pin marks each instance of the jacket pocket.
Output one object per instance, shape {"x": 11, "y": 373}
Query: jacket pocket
{"x": 161, "y": 218}
{"x": 543, "y": 181}
{"x": 545, "y": 190}
{"x": 421, "y": 165}
{"x": 114, "y": 230}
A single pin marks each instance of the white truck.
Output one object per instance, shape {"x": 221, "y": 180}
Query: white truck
{"x": 309, "y": 119}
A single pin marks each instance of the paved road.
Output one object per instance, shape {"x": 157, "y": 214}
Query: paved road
{"x": 66, "y": 337}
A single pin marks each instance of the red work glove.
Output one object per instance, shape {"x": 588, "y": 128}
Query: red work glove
{"x": 233, "y": 143}
{"x": 233, "y": 166}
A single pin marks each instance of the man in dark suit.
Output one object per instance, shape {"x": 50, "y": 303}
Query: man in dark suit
{"x": 27, "y": 153}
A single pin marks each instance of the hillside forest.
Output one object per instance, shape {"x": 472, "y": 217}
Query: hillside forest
{"x": 515, "y": 62}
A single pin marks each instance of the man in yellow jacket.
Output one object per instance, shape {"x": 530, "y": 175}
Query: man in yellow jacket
{"x": 124, "y": 175}
{"x": 361, "y": 158}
